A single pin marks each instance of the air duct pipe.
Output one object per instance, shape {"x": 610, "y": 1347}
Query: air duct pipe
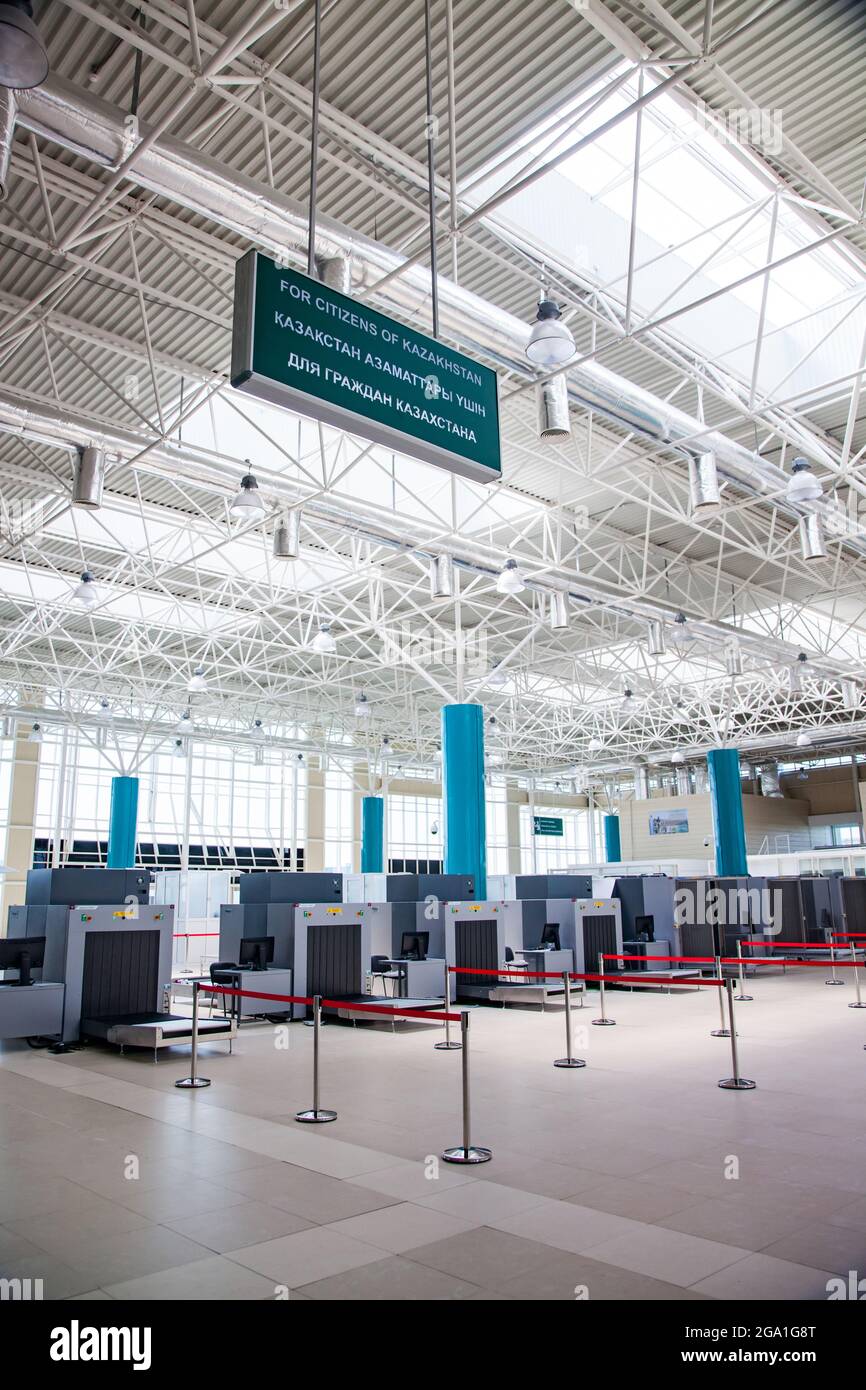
{"x": 656, "y": 644}
{"x": 769, "y": 773}
{"x": 552, "y": 403}
{"x": 812, "y": 538}
{"x": 704, "y": 485}
{"x": 94, "y": 129}
{"x": 43, "y": 424}
{"x": 8, "y": 111}
{"x": 287, "y": 536}
{"x": 641, "y": 783}
{"x": 335, "y": 272}
{"x": 684, "y": 785}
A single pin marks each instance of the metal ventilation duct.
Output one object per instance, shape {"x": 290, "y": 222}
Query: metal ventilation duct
{"x": 287, "y": 536}
{"x": 8, "y": 105}
{"x": 94, "y": 129}
{"x": 88, "y": 475}
{"x": 704, "y": 484}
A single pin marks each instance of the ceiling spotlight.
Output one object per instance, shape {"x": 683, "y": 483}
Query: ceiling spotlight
{"x": 184, "y": 724}
{"x": 803, "y": 486}
{"x": 680, "y": 634}
{"x": 23, "y": 59}
{"x": 804, "y": 740}
{"x": 323, "y": 642}
{"x": 35, "y": 735}
{"x": 287, "y": 536}
{"x": 197, "y": 683}
{"x": 247, "y": 505}
{"x": 558, "y": 610}
{"x": 812, "y": 537}
{"x": 595, "y": 745}
{"x": 362, "y": 707}
{"x": 178, "y": 751}
{"x": 795, "y": 675}
{"x": 628, "y": 701}
{"x": 257, "y": 732}
{"x": 510, "y": 581}
{"x": 550, "y": 342}
{"x": 85, "y": 593}
{"x": 104, "y": 709}
{"x": 802, "y": 775}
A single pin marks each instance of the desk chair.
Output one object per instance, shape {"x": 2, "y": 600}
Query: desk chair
{"x": 380, "y": 968}
{"x": 224, "y": 972}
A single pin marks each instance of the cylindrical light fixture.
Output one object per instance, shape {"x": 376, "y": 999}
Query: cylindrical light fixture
{"x": 704, "y": 484}
{"x": 733, "y": 659}
{"x": 812, "y": 537}
{"x": 551, "y": 398}
{"x": 656, "y": 644}
{"x": 88, "y": 475}
{"x": 287, "y": 536}
{"x": 558, "y": 609}
{"x": 335, "y": 272}
{"x": 441, "y": 577}
{"x": 850, "y": 695}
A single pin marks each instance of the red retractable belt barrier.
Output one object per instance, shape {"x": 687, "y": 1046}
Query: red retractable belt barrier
{"x": 702, "y": 960}
{"x": 331, "y": 1003}
{"x": 576, "y": 975}
{"x": 779, "y": 945}
{"x": 189, "y": 934}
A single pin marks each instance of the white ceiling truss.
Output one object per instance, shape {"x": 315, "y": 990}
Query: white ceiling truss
{"x": 115, "y": 326}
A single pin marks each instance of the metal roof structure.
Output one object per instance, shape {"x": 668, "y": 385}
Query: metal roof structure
{"x": 170, "y": 137}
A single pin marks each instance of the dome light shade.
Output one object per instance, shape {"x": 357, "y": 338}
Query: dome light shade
{"x": 178, "y": 751}
{"x": 257, "y": 732}
{"x": 595, "y": 745}
{"x": 497, "y": 677}
{"x": 362, "y": 707}
{"x": 678, "y": 758}
{"x": 804, "y": 740}
{"x": 86, "y": 593}
{"x": 23, "y": 59}
{"x": 550, "y": 341}
{"x": 197, "y": 683}
{"x": 803, "y": 486}
{"x": 510, "y": 581}
{"x": 184, "y": 724}
{"x": 323, "y": 642}
{"x": 35, "y": 735}
{"x": 247, "y": 505}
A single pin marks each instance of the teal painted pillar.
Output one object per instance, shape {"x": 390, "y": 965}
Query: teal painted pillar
{"x": 372, "y": 835}
{"x": 464, "y": 827}
{"x": 612, "y": 847}
{"x": 122, "y": 822}
{"x": 727, "y": 801}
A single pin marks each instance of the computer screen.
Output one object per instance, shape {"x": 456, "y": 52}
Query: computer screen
{"x": 22, "y": 953}
{"x": 550, "y": 935}
{"x": 256, "y": 952}
{"x": 414, "y": 945}
{"x": 645, "y": 926}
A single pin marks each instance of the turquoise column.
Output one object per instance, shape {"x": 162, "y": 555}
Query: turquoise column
{"x": 122, "y": 822}
{"x": 464, "y": 828}
{"x": 612, "y": 848}
{"x": 372, "y": 835}
{"x": 726, "y": 796}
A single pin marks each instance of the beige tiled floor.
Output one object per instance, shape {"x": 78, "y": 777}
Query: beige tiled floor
{"x": 634, "y": 1178}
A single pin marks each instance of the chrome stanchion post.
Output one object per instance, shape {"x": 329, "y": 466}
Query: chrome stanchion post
{"x": 568, "y": 1060}
{"x": 316, "y": 1116}
{"x": 721, "y": 1032}
{"x": 448, "y": 1045}
{"x": 742, "y": 997}
{"x": 735, "y": 1082}
{"x": 466, "y": 1152}
{"x": 604, "y": 1021}
{"x": 858, "y": 1004}
{"x": 833, "y": 980}
{"x": 193, "y": 1082}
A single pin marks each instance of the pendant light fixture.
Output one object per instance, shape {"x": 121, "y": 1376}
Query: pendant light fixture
{"x": 197, "y": 683}
{"x": 550, "y": 343}
{"x": 510, "y": 581}
{"x": 86, "y": 593}
{"x": 803, "y": 486}
{"x": 247, "y": 505}
{"x": 324, "y": 642}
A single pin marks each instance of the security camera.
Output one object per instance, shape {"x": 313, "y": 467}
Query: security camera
{"x": 434, "y": 829}
{"x": 707, "y": 842}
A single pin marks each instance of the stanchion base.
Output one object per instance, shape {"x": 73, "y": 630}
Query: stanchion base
{"x": 721, "y": 1033}
{"x": 470, "y": 1155}
{"x": 603, "y": 1022}
{"x": 448, "y": 1046}
{"x": 857, "y": 1006}
{"x": 569, "y": 1062}
{"x": 192, "y": 1083}
{"x": 315, "y": 1117}
{"x": 738, "y": 1083}
{"x": 743, "y": 998}
{"x": 834, "y": 982}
